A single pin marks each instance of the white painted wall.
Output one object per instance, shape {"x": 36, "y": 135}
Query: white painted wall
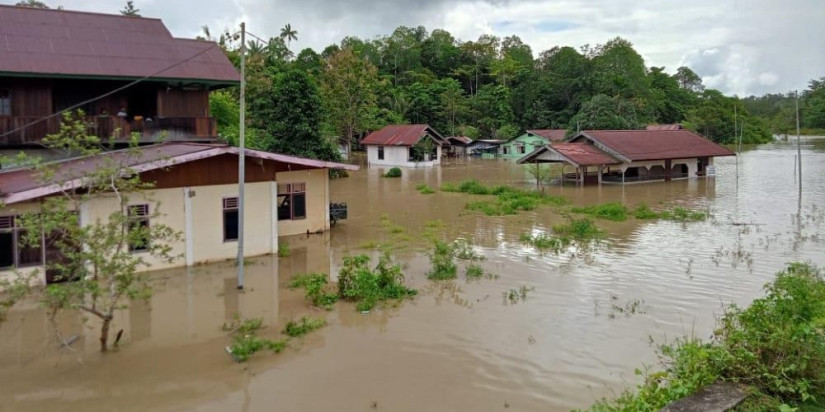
{"x": 398, "y": 156}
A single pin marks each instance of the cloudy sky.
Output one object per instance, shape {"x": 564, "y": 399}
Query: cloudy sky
{"x": 739, "y": 46}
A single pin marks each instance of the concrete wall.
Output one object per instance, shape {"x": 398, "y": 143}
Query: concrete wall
{"x": 398, "y": 156}
{"x": 692, "y": 164}
{"x": 317, "y": 202}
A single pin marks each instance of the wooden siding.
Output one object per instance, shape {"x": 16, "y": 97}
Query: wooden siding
{"x": 218, "y": 170}
{"x": 176, "y": 102}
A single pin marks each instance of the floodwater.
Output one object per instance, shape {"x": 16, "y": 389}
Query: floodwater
{"x": 590, "y": 317}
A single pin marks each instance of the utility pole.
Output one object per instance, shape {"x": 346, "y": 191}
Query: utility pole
{"x": 241, "y": 157}
{"x": 798, "y": 145}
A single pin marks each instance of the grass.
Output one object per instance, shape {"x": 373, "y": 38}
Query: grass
{"x": 283, "y": 249}
{"x": 677, "y": 213}
{"x": 359, "y": 283}
{"x": 316, "y": 288}
{"x": 579, "y": 229}
{"x": 303, "y": 326}
{"x": 394, "y": 172}
{"x": 424, "y": 189}
{"x": 245, "y": 341}
{"x": 776, "y": 347}
{"x": 474, "y": 271}
{"x": 508, "y": 201}
{"x": 614, "y": 211}
{"x": 442, "y": 261}
{"x": 543, "y": 241}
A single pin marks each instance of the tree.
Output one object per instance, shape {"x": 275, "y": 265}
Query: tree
{"x": 130, "y": 10}
{"x": 713, "y": 117}
{"x": 349, "y": 89}
{"x": 32, "y": 3}
{"x": 815, "y": 104}
{"x": 607, "y": 113}
{"x": 618, "y": 70}
{"x": 289, "y": 34}
{"x": 97, "y": 257}
{"x": 540, "y": 172}
{"x": 689, "y": 80}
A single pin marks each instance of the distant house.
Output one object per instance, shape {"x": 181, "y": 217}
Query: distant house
{"x": 458, "y": 145}
{"x": 128, "y": 74}
{"x": 531, "y": 140}
{"x": 196, "y": 192}
{"x": 675, "y": 126}
{"x": 627, "y": 156}
{"x": 484, "y": 148}
{"x": 407, "y": 145}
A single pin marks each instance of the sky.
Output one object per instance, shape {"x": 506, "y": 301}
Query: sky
{"x": 740, "y": 47}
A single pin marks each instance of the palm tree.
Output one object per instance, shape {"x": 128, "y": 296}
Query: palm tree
{"x": 288, "y": 34}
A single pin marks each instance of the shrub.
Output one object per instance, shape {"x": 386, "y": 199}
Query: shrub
{"x": 474, "y": 271}
{"x": 424, "y": 189}
{"x": 442, "y": 260}
{"x": 303, "y": 326}
{"x": 283, "y": 249}
{"x": 543, "y": 241}
{"x": 473, "y": 187}
{"x": 643, "y": 212}
{"x": 244, "y": 346}
{"x": 678, "y": 214}
{"x": 614, "y": 211}
{"x": 394, "y": 172}
{"x": 357, "y": 282}
{"x": 579, "y": 229}
{"x": 316, "y": 288}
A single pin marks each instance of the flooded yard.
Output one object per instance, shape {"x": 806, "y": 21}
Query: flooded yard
{"x": 582, "y": 321}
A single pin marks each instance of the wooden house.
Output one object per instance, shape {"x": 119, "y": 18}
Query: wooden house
{"x": 195, "y": 192}
{"x": 519, "y": 146}
{"x": 127, "y": 74}
{"x": 631, "y": 156}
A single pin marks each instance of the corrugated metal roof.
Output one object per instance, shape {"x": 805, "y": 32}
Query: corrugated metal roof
{"x": 402, "y": 135}
{"x": 579, "y": 154}
{"x": 70, "y": 43}
{"x": 676, "y": 126}
{"x": 552, "y": 135}
{"x": 23, "y": 184}
{"x": 463, "y": 140}
{"x": 637, "y": 145}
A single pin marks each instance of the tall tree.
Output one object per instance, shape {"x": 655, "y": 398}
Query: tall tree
{"x": 607, "y": 113}
{"x": 289, "y": 34}
{"x": 32, "y": 3}
{"x": 349, "y": 88}
{"x": 130, "y": 10}
{"x": 618, "y": 70}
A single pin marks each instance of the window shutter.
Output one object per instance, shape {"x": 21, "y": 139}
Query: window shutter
{"x": 6, "y": 222}
{"x": 230, "y": 203}
{"x": 138, "y": 210}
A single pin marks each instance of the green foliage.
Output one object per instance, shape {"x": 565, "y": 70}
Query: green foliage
{"x": 473, "y": 187}
{"x": 543, "y": 241}
{"x": 316, "y": 288}
{"x": 579, "y": 229}
{"x": 678, "y": 214}
{"x": 643, "y": 212}
{"x": 508, "y": 201}
{"x": 424, "y": 189}
{"x": 303, "y": 326}
{"x": 609, "y": 113}
{"x": 442, "y": 259}
{"x": 357, "y": 282}
{"x": 474, "y": 271}
{"x": 775, "y": 346}
{"x": 394, "y": 172}
{"x": 614, "y": 211}
{"x": 283, "y": 249}
{"x": 245, "y": 341}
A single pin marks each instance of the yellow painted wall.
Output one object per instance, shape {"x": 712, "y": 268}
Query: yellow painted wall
{"x": 317, "y": 201}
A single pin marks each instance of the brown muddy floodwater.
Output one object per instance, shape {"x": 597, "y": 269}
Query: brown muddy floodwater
{"x": 459, "y": 345}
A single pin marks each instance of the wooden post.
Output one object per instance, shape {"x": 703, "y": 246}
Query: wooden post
{"x": 600, "y": 174}
{"x": 668, "y": 170}
{"x": 623, "y": 170}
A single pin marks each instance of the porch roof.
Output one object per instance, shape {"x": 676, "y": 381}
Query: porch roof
{"x": 578, "y": 154}
{"x": 639, "y": 145}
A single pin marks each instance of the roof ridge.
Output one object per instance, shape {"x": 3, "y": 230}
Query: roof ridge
{"x": 38, "y": 9}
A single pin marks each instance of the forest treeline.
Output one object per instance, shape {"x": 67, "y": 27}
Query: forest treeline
{"x": 492, "y": 87}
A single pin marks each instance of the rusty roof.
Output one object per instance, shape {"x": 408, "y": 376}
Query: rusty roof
{"x": 23, "y": 184}
{"x": 62, "y": 43}
{"x": 637, "y": 145}
{"x": 462, "y": 140}
{"x": 402, "y": 135}
{"x": 676, "y": 126}
{"x": 552, "y": 135}
{"x": 579, "y": 154}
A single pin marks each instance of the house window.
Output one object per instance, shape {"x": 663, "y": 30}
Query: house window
{"x": 15, "y": 251}
{"x": 504, "y": 149}
{"x": 521, "y": 149}
{"x": 380, "y": 152}
{"x": 292, "y": 201}
{"x": 5, "y": 102}
{"x": 230, "y": 219}
{"x": 138, "y": 228}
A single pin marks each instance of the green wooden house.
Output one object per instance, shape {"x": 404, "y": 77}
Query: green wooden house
{"x": 524, "y": 144}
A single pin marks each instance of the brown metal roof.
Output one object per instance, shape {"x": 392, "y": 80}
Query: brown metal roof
{"x": 23, "y": 184}
{"x": 402, "y": 135}
{"x": 637, "y": 145}
{"x": 70, "y": 43}
{"x": 676, "y": 126}
{"x": 579, "y": 154}
{"x": 462, "y": 140}
{"x": 552, "y": 135}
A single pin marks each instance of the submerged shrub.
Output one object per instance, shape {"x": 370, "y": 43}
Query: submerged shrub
{"x": 614, "y": 211}
{"x": 579, "y": 229}
{"x": 473, "y": 187}
{"x": 316, "y": 288}
{"x": 442, "y": 260}
{"x": 394, "y": 172}
{"x": 678, "y": 214}
{"x": 303, "y": 326}
{"x": 543, "y": 241}
{"x": 283, "y": 249}
{"x": 424, "y": 189}
{"x": 357, "y": 282}
{"x": 246, "y": 343}
{"x": 776, "y": 346}
{"x": 644, "y": 212}
{"x": 474, "y": 271}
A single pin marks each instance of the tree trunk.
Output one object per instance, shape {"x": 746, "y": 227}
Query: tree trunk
{"x": 104, "y": 334}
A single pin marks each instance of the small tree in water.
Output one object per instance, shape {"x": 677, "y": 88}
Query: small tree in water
{"x": 539, "y": 172}
{"x": 100, "y": 260}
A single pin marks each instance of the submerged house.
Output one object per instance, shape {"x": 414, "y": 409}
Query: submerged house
{"x": 484, "y": 148}
{"x": 518, "y": 146}
{"x": 629, "y": 156}
{"x": 127, "y": 74}
{"x": 196, "y": 193}
{"x": 406, "y": 145}
{"x": 458, "y": 145}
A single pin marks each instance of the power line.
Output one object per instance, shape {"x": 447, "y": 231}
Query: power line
{"x": 94, "y": 99}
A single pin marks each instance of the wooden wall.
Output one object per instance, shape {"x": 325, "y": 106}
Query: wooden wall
{"x": 29, "y": 97}
{"x": 217, "y": 170}
{"x": 176, "y": 102}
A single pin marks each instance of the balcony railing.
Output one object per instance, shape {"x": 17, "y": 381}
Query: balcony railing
{"x": 22, "y": 131}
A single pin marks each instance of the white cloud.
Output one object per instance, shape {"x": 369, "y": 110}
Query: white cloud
{"x": 739, "y": 46}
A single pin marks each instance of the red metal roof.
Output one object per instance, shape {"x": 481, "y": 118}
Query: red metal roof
{"x": 552, "y": 135}
{"x": 637, "y": 145}
{"x": 464, "y": 140}
{"x": 401, "y": 135}
{"x": 70, "y": 43}
{"x": 580, "y": 154}
{"x": 676, "y": 126}
{"x": 23, "y": 184}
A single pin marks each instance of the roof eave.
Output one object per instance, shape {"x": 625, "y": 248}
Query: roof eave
{"x": 217, "y": 83}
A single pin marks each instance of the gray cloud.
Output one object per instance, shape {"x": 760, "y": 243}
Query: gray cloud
{"x": 739, "y": 46}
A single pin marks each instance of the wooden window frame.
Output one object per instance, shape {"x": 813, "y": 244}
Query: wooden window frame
{"x": 137, "y": 214}
{"x": 289, "y": 191}
{"x": 229, "y": 204}
{"x": 8, "y": 224}
{"x": 7, "y": 103}
{"x": 380, "y": 152}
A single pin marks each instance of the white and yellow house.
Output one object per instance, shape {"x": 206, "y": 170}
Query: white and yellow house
{"x": 195, "y": 192}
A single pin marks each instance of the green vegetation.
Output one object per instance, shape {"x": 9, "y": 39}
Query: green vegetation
{"x": 283, "y": 249}
{"x": 614, "y": 211}
{"x": 543, "y": 241}
{"x": 357, "y": 282}
{"x": 442, "y": 260}
{"x": 303, "y": 326}
{"x": 678, "y": 214}
{"x": 643, "y": 212}
{"x": 508, "y": 201}
{"x": 776, "y": 347}
{"x": 463, "y": 249}
{"x": 514, "y": 296}
{"x": 316, "y": 288}
{"x": 579, "y": 230}
{"x": 245, "y": 341}
{"x": 424, "y": 189}
{"x": 474, "y": 271}
{"x": 394, "y": 172}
